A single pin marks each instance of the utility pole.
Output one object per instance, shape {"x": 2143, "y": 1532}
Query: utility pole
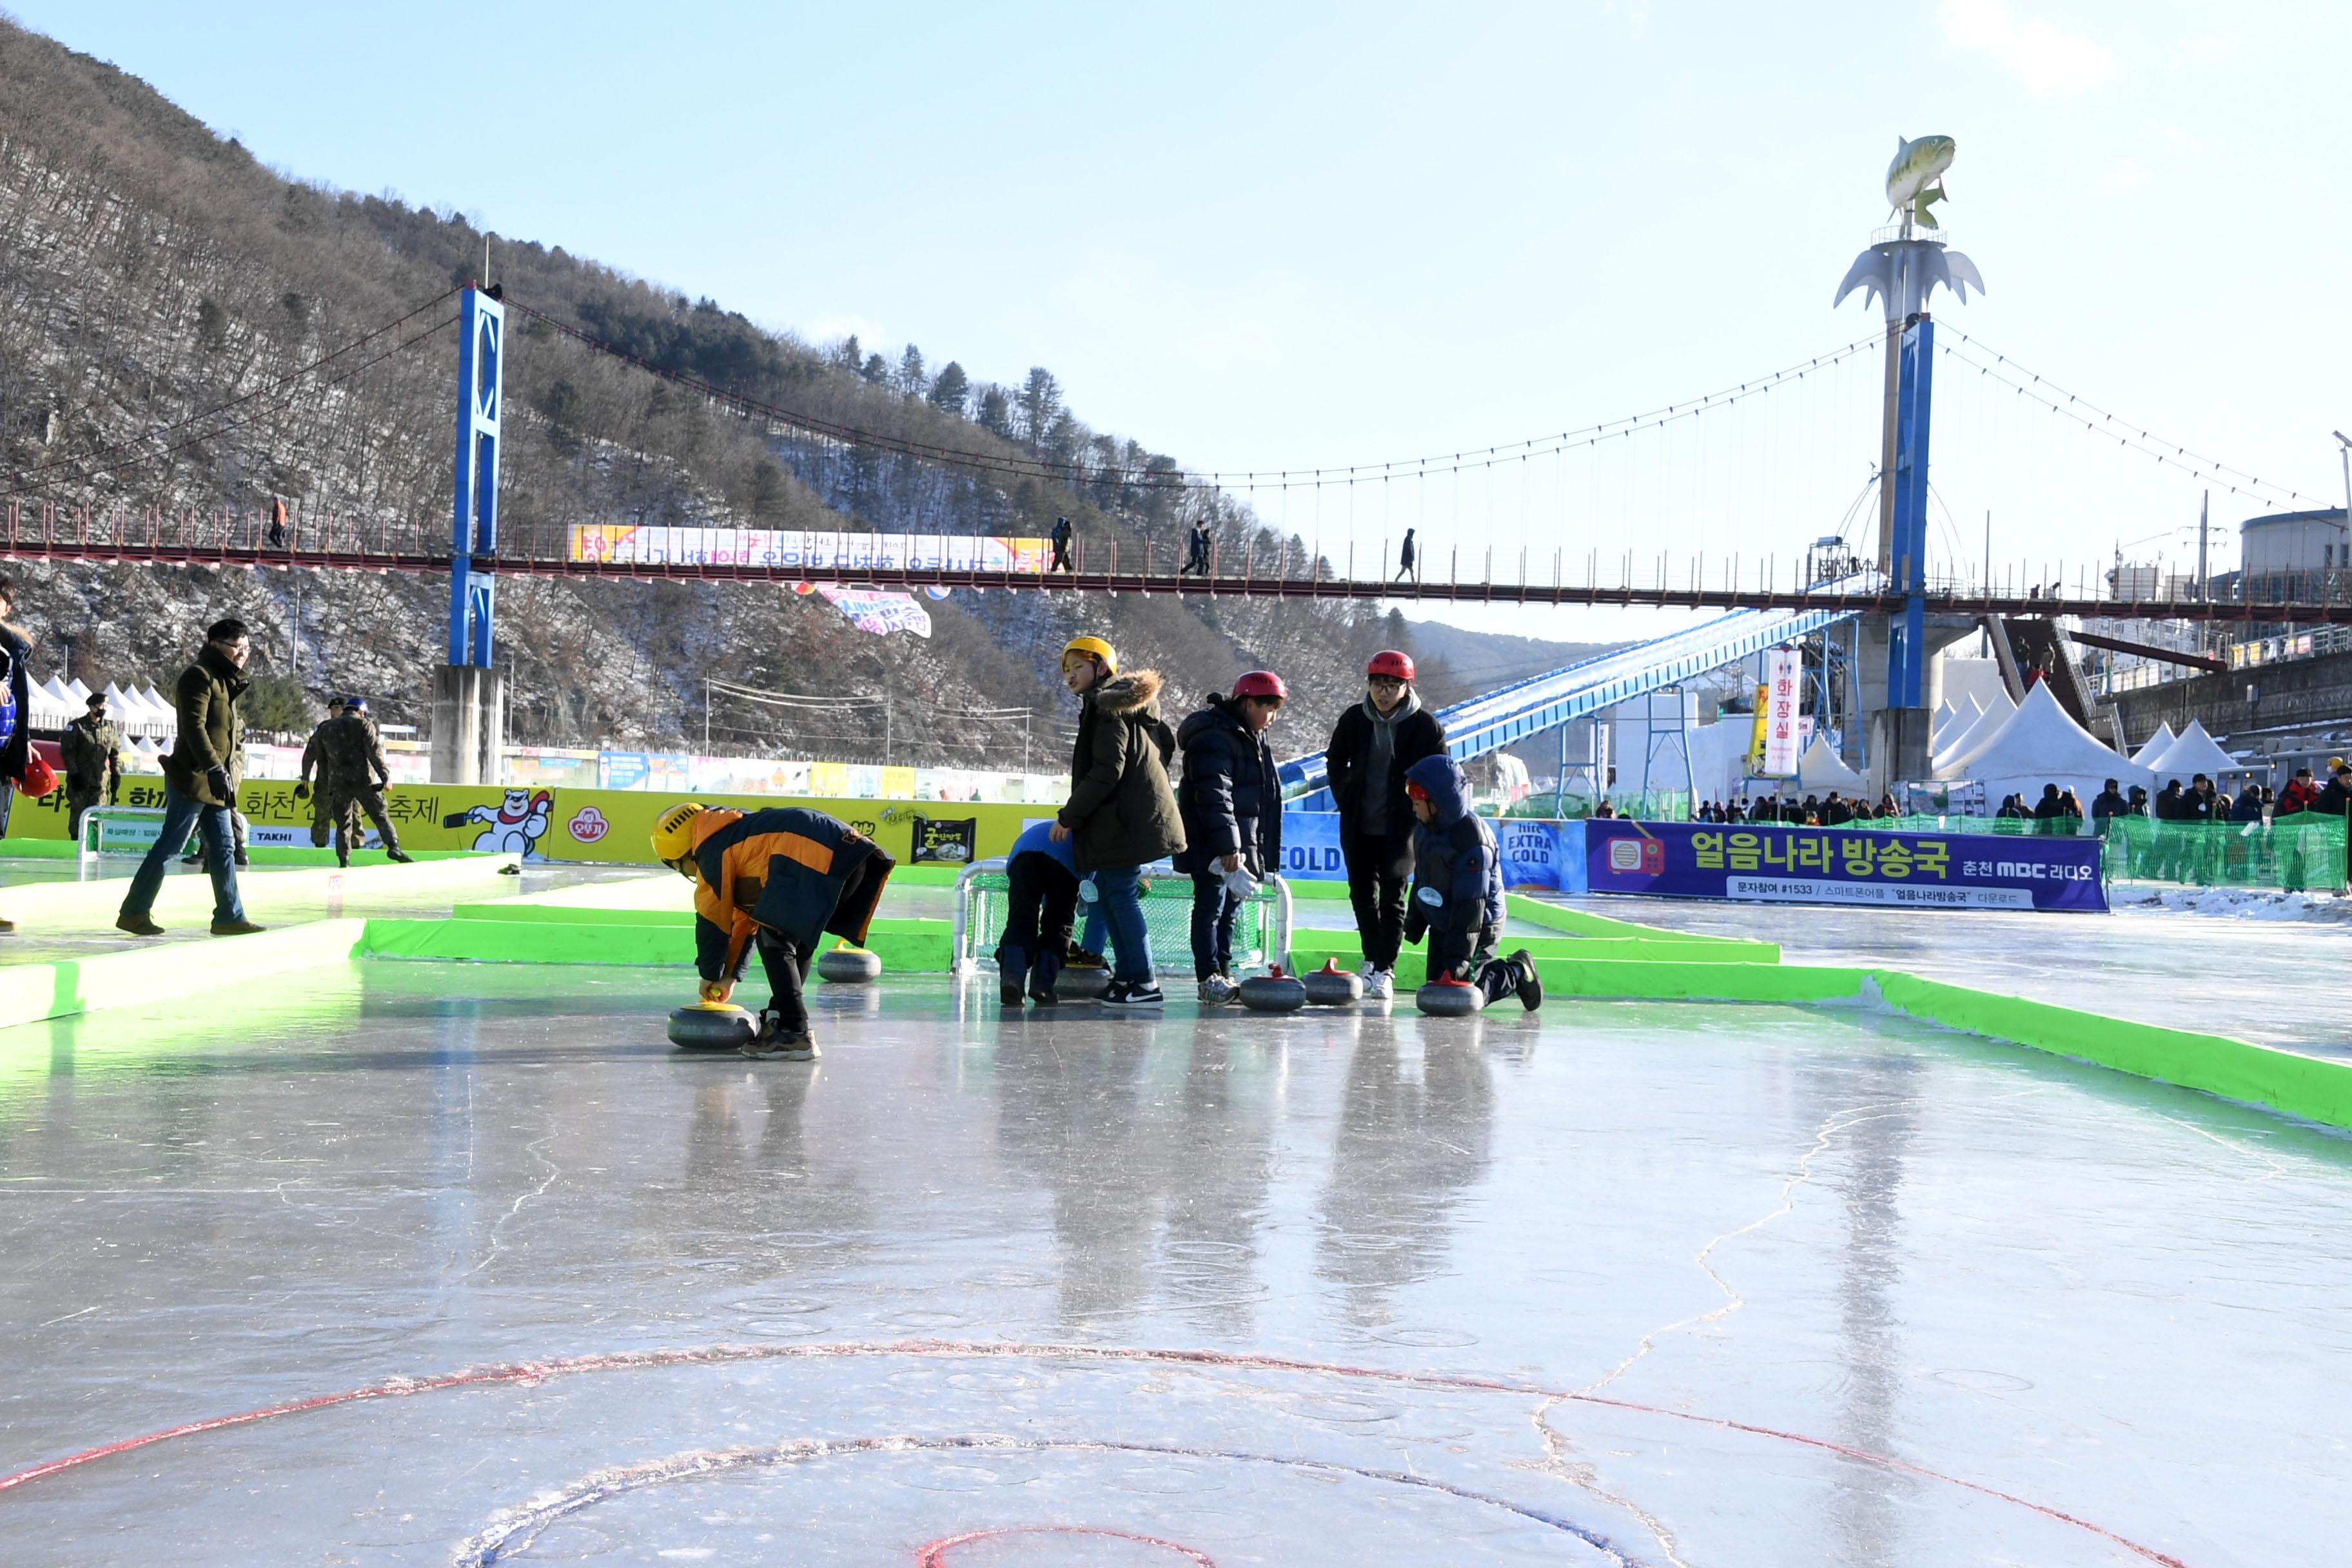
{"x": 706, "y": 715}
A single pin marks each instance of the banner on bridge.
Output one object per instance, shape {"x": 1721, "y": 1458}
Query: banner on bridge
{"x": 625, "y": 545}
{"x": 1767, "y": 863}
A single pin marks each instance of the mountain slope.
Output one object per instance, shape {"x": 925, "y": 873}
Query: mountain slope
{"x": 151, "y": 271}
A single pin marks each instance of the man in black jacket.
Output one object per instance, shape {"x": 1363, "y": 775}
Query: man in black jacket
{"x": 1371, "y": 746}
{"x": 2110, "y": 803}
{"x": 1231, "y": 801}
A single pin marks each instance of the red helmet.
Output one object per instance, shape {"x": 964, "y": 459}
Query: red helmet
{"x": 1262, "y": 683}
{"x": 1391, "y": 662}
{"x": 39, "y": 777}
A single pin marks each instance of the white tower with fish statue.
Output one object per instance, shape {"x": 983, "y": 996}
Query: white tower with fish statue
{"x": 1903, "y": 268}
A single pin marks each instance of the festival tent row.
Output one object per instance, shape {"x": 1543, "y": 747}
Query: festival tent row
{"x": 1820, "y": 770}
{"x": 1975, "y": 738}
{"x": 2193, "y": 753}
{"x": 136, "y": 712}
{"x": 2040, "y": 744}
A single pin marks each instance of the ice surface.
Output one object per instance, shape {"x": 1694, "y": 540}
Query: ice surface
{"x": 1619, "y": 1282}
{"x": 2270, "y": 982}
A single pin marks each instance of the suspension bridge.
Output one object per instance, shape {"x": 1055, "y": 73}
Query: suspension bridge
{"x": 1701, "y": 482}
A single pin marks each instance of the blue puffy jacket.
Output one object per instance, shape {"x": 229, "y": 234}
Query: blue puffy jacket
{"x": 1457, "y": 877}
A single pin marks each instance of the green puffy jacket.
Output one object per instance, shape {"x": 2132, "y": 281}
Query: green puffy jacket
{"x": 212, "y": 733}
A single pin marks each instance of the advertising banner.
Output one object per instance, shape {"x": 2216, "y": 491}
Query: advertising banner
{"x": 564, "y": 824}
{"x": 880, "y": 613}
{"x": 1783, "y": 742}
{"x": 625, "y": 545}
{"x": 1840, "y": 865}
{"x": 1535, "y": 853}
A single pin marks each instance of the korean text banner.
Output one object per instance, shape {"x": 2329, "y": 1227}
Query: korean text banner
{"x": 1835, "y": 866}
{"x": 626, "y": 544}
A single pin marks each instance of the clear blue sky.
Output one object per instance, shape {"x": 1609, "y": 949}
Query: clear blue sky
{"x": 1260, "y": 237}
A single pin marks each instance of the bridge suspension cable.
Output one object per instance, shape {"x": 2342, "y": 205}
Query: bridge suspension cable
{"x": 283, "y": 388}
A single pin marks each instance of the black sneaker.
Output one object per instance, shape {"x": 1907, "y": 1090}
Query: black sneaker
{"x": 1530, "y": 986}
{"x": 1081, "y": 959}
{"x": 398, "y": 858}
{"x": 1128, "y": 994}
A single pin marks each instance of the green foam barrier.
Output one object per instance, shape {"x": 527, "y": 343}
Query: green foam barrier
{"x": 2311, "y": 1087}
{"x": 1582, "y": 922}
{"x": 1320, "y": 889}
{"x": 186, "y": 900}
{"x": 524, "y": 912}
{"x": 904, "y": 946}
{"x": 1310, "y": 945}
{"x": 167, "y": 971}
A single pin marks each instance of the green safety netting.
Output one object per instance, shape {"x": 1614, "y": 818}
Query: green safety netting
{"x": 1642, "y": 806}
{"x": 2300, "y": 853}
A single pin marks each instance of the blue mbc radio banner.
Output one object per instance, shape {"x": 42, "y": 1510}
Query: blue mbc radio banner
{"x": 1840, "y": 865}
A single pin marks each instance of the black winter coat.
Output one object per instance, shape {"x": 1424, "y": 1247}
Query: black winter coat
{"x": 1122, "y": 811}
{"x": 1351, "y": 743}
{"x": 1231, "y": 796}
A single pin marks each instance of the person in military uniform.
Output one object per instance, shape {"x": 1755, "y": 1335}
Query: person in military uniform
{"x": 93, "y": 757}
{"x": 356, "y": 775}
{"x": 314, "y": 759}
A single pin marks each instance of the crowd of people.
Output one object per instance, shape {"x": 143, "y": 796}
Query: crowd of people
{"x": 1831, "y": 810}
{"x": 1423, "y": 866}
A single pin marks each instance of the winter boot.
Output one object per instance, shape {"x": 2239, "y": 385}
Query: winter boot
{"x": 774, "y": 1041}
{"x": 1530, "y": 984}
{"x": 1042, "y": 975}
{"x": 1011, "y": 974}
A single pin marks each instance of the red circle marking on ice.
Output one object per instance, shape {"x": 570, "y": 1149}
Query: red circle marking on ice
{"x": 935, "y": 1555}
{"x": 980, "y": 1349}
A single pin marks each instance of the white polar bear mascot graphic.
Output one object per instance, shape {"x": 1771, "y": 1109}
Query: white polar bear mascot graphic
{"x": 515, "y": 825}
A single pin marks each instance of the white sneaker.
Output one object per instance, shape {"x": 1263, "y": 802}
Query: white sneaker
{"x": 1215, "y": 991}
{"x": 1379, "y": 984}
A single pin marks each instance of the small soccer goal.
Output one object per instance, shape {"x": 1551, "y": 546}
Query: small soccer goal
{"x": 1261, "y": 935}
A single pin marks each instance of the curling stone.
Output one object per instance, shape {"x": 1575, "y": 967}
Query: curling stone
{"x": 846, "y": 965}
{"x": 711, "y": 1027}
{"x": 1085, "y": 985}
{"x": 1449, "y": 999}
{"x": 1275, "y": 992}
{"x": 1332, "y": 987}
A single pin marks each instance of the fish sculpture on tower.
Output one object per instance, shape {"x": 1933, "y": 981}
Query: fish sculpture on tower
{"x": 1914, "y": 179}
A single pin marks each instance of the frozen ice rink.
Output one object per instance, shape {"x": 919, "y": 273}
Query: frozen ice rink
{"x": 430, "y": 1263}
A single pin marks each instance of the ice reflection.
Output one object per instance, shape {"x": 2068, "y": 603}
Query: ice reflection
{"x": 1410, "y": 1143}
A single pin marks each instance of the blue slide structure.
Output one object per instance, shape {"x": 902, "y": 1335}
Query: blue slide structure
{"x": 1511, "y": 714}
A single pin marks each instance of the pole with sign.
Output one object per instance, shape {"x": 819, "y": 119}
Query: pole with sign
{"x": 1782, "y": 675}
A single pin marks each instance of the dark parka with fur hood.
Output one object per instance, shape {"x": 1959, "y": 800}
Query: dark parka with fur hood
{"x": 1232, "y": 796}
{"x": 1122, "y": 811}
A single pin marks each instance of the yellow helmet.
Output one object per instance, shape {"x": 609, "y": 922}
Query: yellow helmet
{"x": 1095, "y": 648}
{"x": 674, "y": 834}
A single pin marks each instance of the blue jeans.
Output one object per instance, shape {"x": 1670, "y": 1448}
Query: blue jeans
{"x": 180, "y": 813}
{"x": 1214, "y": 911}
{"x": 1116, "y": 895}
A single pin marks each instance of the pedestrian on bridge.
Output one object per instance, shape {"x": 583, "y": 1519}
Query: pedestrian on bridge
{"x": 1408, "y": 560}
{"x": 1371, "y": 746}
{"x": 1061, "y": 540}
{"x": 1196, "y": 549}
{"x": 201, "y": 775}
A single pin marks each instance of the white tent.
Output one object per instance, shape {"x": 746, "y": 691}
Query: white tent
{"x": 2042, "y": 744}
{"x": 1952, "y": 759}
{"x": 1820, "y": 770}
{"x": 79, "y": 693}
{"x": 1953, "y": 721}
{"x": 2195, "y": 752}
{"x": 2158, "y": 744}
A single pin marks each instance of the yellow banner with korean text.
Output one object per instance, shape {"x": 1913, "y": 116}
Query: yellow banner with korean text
{"x": 565, "y": 824}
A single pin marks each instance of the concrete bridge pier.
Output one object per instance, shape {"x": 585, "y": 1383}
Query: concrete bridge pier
{"x": 1901, "y": 746}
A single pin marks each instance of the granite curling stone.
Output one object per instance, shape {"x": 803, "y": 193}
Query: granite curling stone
{"x": 846, "y": 965}
{"x": 1275, "y": 992}
{"x": 711, "y": 1027}
{"x": 1085, "y": 985}
{"x": 1332, "y": 987}
{"x": 1449, "y": 999}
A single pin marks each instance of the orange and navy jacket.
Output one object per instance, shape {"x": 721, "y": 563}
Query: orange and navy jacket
{"x": 800, "y": 873}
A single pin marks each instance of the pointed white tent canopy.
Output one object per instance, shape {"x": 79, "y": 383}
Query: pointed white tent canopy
{"x": 2158, "y": 744}
{"x": 1978, "y": 736}
{"x": 1946, "y": 712}
{"x": 1818, "y": 768}
{"x": 79, "y": 693}
{"x": 120, "y": 704}
{"x": 2042, "y": 744}
{"x": 1962, "y": 714}
{"x": 49, "y": 709}
{"x": 2195, "y": 752}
